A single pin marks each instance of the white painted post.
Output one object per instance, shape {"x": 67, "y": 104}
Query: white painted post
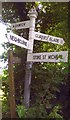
{"x": 32, "y": 15}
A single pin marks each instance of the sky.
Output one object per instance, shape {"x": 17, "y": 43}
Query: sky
{"x": 2, "y": 36}
{"x": 2, "y": 40}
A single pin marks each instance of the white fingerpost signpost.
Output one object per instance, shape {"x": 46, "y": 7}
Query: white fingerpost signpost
{"x": 32, "y": 16}
{"x": 61, "y": 56}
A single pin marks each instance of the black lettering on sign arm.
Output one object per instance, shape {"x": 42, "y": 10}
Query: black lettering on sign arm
{"x": 50, "y": 39}
{"x": 24, "y": 24}
{"x": 40, "y": 36}
{"x": 11, "y": 37}
{"x": 36, "y": 35}
{"x": 44, "y": 56}
{"x": 18, "y": 40}
{"x": 46, "y": 37}
{"x": 56, "y": 40}
{"x": 51, "y": 57}
{"x": 25, "y": 43}
{"x": 15, "y": 39}
{"x": 37, "y": 57}
{"x": 34, "y": 57}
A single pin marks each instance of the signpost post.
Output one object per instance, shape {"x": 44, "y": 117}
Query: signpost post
{"x": 32, "y": 15}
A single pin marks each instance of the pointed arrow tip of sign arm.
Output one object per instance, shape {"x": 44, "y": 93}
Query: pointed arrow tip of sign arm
{"x": 62, "y": 41}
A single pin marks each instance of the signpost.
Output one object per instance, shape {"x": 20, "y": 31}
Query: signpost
{"x": 17, "y": 40}
{"x": 48, "y": 38}
{"x": 48, "y": 57}
{"x": 20, "y": 25}
{"x": 61, "y": 56}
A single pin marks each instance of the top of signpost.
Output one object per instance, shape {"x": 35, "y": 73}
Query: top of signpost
{"x": 32, "y": 12}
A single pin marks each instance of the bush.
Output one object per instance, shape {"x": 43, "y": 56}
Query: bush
{"x": 32, "y": 112}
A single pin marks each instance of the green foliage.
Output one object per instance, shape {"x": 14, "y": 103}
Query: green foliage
{"x": 5, "y": 105}
{"x": 5, "y": 83}
{"x": 0, "y": 81}
{"x": 0, "y": 77}
{"x": 21, "y": 110}
{"x": 5, "y": 89}
{"x": 32, "y": 112}
{"x": 54, "y": 113}
{"x": 37, "y": 111}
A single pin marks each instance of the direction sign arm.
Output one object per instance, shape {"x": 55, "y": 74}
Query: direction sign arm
{"x": 48, "y": 38}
